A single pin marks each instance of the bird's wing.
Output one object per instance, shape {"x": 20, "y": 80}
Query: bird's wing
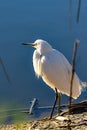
{"x": 56, "y": 72}
{"x": 36, "y": 63}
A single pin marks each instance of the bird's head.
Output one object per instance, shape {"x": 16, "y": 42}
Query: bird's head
{"x": 41, "y": 46}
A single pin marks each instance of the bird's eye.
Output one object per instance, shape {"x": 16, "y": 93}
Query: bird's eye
{"x": 36, "y": 43}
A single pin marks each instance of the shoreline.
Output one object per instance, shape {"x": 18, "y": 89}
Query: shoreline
{"x": 78, "y": 122}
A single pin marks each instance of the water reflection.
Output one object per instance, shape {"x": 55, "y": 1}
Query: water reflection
{"x": 4, "y": 69}
{"x": 71, "y": 11}
{"x": 78, "y": 10}
{"x": 70, "y": 14}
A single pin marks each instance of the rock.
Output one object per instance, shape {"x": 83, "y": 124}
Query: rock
{"x": 61, "y": 118}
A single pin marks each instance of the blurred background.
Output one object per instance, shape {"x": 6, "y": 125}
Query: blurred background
{"x": 59, "y": 22}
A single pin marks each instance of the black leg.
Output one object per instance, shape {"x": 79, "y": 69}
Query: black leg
{"x": 56, "y": 97}
{"x": 59, "y": 103}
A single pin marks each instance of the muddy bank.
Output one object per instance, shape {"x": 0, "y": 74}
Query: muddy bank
{"x": 78, "y": 122}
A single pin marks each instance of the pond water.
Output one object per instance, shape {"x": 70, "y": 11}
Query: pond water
{"x": 28, "y": 20}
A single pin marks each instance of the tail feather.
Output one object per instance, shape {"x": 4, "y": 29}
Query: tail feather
{"x": 83, "y": 85}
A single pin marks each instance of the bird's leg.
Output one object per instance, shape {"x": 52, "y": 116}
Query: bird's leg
{"x": 59, "y": 103}
{"x": 56, "y": 97}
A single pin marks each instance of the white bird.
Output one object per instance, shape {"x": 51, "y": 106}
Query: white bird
{"x": 55, "y": 70}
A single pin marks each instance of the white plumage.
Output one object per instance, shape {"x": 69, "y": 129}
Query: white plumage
{"x": 55, "y": 69}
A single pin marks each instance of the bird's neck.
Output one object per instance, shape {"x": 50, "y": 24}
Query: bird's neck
{"x": 43, "y": 51}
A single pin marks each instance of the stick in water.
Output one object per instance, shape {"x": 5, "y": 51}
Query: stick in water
{"x": 72, "y": 76}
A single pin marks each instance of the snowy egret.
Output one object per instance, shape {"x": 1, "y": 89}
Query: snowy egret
{"x": 55, "y": 70}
